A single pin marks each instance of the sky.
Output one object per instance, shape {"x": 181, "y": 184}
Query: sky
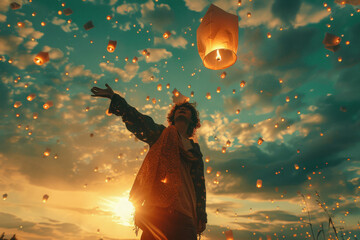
{"x": 66, "y": 171}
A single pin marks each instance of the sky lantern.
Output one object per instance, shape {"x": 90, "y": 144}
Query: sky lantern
{"x": 228, "y": 143}
{"x": 218, "y": 89}
{"x": 14, "y": 5}
{"x": 67, "y": 11}
{"x": 154, "y": 100}
{"x": 45, "y": 198}
{"x": 223, "y": 150}
{"x": 268, "y": 35}
{"x": 5, "y": 196}
{"x": 237, "y": 111}
{"x": 41, "y": 58}
{"x": 108, "y": 17}
{"x": 48, "y": 105}
{"x": 229, "y": 235}
{"x": 249, "y": 14}
{"x": 166, "y": 34}
{"x": 332, "y": 42}
{"x": 208, "y": 96}
{"x": 31, "y": 97}
{"x": 47, "y": 152}
{"x": 296, "y": 166}
{"x": 20, "y": 24}
{"x": 147, "y": 55}
{"x": 147, "y": 98}
{"x": 217, "y": 38}
{"x": 159, "y": 87}
{"x": 89, "y": 25}
{"x": 111, "y": 46}
{"x": 192, "y": 94}
{"x": 223, "y": 75}
{"x": 242, "y": 83}
{"x": 287, "y": 99}
{"x": 209, "y": 169}
{"x": 259, "y": 183}
{"x": 144, "y": 52}
{"x": 260, "y": 141}
{"x": 17, "y": 104}
{"x": 35, "y": 115}
{"x": 168, "y": 86}
{"x": 239, "y": 2}
{"x": 134, "y": 59}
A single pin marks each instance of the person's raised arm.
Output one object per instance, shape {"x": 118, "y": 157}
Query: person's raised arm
{"x": 142, "y": 126}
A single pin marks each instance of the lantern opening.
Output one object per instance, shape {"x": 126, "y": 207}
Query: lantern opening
{"x": 220, "y": 59}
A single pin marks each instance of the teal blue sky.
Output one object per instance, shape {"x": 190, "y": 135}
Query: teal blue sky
{"x": 93, "y": 159}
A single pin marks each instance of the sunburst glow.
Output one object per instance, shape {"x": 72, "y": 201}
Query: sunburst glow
{"x": 121, "y": 209}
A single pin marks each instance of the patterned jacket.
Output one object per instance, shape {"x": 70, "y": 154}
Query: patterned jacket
{"x": 145, "y": 129}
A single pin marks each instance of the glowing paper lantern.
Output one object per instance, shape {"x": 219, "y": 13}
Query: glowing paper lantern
{"x": 111, "y": 46}
{"x": 332, "y": 42}
{"x": 209, "y": 169}
{"x": 17, "y": 104}
{"x": 89, "y": 25}
{"x": 45, "y": 198}
{"x": 31, "y": 97}
{"x": 239, "y": 2}
{"x": 217, "y": 38}
{"x": 159, "y": 87}
{"x": 48, "y": 105}
{"x": 218, "y": 89}
{"x": 260, "y": 141}
{"x": 144, "y": 52}
{"x": 47, "y": 152}
{"x": 5, "y": 196}
{"x": 259, "y": 183}
{"x": 242, "y": 83}
{"x": 134, "y": 59}
{"x": 223, "y": 75}
{"x": 208, "y": 96}
{"x": 229, "y": 235}
{"x": 35, "y": 115}
{"x": 228, "y": 143}
{"x": 166, "y": 35}
{"x": 296, "y": 166}
{"x": 223, "y": 150}
{"x": 192, "y": 94}
{"x": 168, "y": 86}
{"x": 237, "y": 111}
{"x": 14, "y": 5}
{"x": 41, "y": 58}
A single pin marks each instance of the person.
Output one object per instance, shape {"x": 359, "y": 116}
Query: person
{"x": 168, "y": 193}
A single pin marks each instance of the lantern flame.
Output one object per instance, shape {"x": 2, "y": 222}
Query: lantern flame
{"x": 218, "y": 56}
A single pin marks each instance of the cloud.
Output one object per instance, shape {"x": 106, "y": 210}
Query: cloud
{"x": 127, "y": 8}
{"x": 2, "y": 18}
{"x": 351, "y": 2}
{"x": 179, "y": 42}
{"x": 160, "y": 15}
{"x": 125, "y": 27}
{"x": 309, "y": 14}
{"x": 9, "y": 44}
{"x": 196, "y": 6}
{"x": 129, "y": 72}
{"x": 157, "y": 54}
{"x": 78, "y": 71}
{"x": 286, "y": 11}
{"x": 147, "y": 76}
{"x": 28, "y": 31}
{"x": 54, "y": 53}
{"x": 66, "y": 27}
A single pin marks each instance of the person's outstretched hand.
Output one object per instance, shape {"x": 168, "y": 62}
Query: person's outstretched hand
{"x": 106, "y": 93}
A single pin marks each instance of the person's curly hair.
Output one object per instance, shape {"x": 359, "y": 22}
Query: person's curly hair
{"x": 195, "y": 121}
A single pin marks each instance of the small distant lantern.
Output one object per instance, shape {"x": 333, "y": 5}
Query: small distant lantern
{"x": 259, "y": 183}
{"x": 41, "y": 58}
{"x": 43, "y": 24}
{"x": 20, "y": 24}
{"x": 249, "y": 14}
{"x": 148, "y": 55}
{"x": 192, "y": 94}
{"x": 89, "y": 25}
{"x": 153, "y": 100}
{"x": 218, "y": 174}
{"x": 159, "y": 87}
{"x": 228, "y": 143}
{"x": 48, "y": 105}
{"x": 47, "y": 152}
{"x": 229, "y": 235}
{"x": 296, "y": 166}
{"x": 242, "y": 83}
{"x": 239, "y": 3}
{"x": 209, "y": 169}
{"x": 111, "y": 46}
{"x": 207, "y": 159}
{"x": 45, "y": 198}
{"x": 35, "y": 115}
{"x": 5, "y": 196}
{"x": 237, "y": 111}
{"x": 328, "y": 9}
{"x": 223, "y": 150}
{"x": 287, "y": 99}
{"x": 135, "y": 59}
{"x": 144, "y": 52}
{"x": 218, "y": 89}
{"x": 168, "y": 86}
{"x": 223, "y": 75}
{"x": 147, "y": 98}
{"x": 276, "y": 125}
{"x": 67, "y": 11}
{"x": 31, "y": 97}
{"x": 268, "y": 35}
{"x": 260, "y": 141}
{"x": 126, "y": 59}
{"x": 166, "y": 35}
{"x": 208, "y": 96}
{"x": 108, "y": 17}
{"x": 332, "y": 42}
{"x": 339, "y": 59}
{"x": 14, "y": 6}
{"x": 152, "y": 78}
{"x": 217, "y": 38}
{"x": 60, "y": 12}
{"x": 17, "y": 104}
{"x": 234, "y": 91}
{"x": 176, "y": 93}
